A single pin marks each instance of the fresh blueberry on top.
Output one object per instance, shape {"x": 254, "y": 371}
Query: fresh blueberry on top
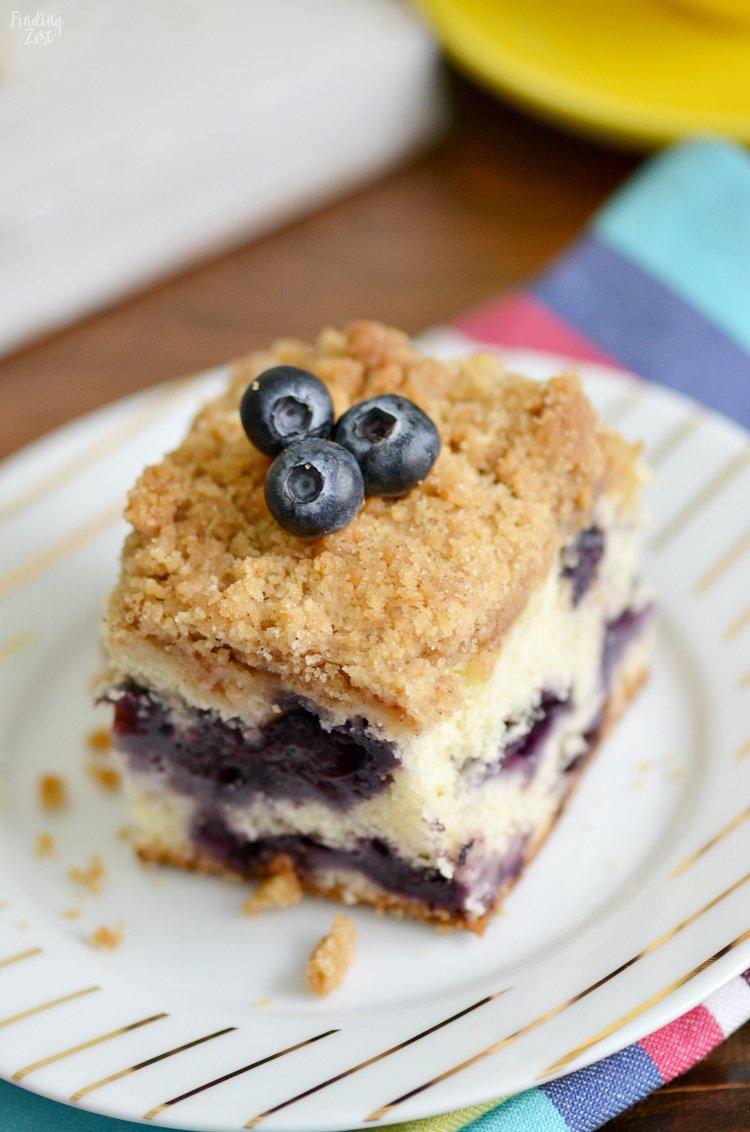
{"x": 395, "y": 443}
{"x": 285, "y": 404}
{"x": 314, "y": 487}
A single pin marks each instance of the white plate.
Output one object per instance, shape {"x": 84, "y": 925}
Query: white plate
{"x": 604, "y": 890}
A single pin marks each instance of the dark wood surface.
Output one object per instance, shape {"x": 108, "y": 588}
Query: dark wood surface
{"x": 479, "y": 215}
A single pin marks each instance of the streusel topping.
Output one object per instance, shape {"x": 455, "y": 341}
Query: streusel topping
{"x": 393, "y": 611}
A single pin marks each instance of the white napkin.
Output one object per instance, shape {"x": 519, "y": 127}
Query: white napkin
{"x": 135, "y": 136}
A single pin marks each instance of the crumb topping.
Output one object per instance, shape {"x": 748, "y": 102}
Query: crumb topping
{"x": 332, "y": 958}
{"x": 52, "y": 792}
{"x": 392, "y": 611}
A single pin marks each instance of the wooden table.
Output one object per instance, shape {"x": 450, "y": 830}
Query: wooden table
{"x": 480, "y": 215}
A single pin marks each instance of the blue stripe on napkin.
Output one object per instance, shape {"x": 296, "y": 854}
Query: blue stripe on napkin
{"x": 637, "y": 320}
{"x": 588, "y": 1097}
{"x": 685, "y": 219}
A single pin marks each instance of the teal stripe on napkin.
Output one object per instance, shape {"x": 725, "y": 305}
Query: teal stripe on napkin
{"x": 685, "y": 219}
{"x": 531, "y": 1111}
{"x": 24, "y": 1111}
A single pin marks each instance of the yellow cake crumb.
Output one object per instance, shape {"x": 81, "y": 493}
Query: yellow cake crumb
{"x": 99, "y": 740}
{"x": 52, "y": 792}
{"x": 263, "y": 1002}
{"x": 107, "y": 776}
{"x": 281, "y": 890}
{"x": 333, "y": 957}
{"x": 45, "y": 846}
{"x": 105, "y": 939}
{"x": 72, "y": 913}
{"x": 91, "y": 877}
{"x": 123, "y": 833}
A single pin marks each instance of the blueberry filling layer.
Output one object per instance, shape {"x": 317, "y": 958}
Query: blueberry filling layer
{"x": 373, "y": 858}
{"x": 580, "y": 562}
{"x": 618, "y": 635}
{"x": 522, "y": 756}
{"x": 292, "y": 756}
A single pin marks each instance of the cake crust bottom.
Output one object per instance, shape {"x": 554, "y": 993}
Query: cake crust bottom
{"x": 357, "y": 889}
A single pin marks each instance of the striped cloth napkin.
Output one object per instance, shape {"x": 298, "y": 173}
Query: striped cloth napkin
{"x": 660, "y": 284}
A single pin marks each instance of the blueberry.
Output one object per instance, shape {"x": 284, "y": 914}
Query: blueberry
{"x": 314, "y": 487}
{"x": 395, "y": 443}
{"x": 285, "y": 404}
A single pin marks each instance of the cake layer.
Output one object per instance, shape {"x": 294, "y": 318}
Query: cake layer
{"x": 175, "y": 829}
{"x": 195, "y": 819}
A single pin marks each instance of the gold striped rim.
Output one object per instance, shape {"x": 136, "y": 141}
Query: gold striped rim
{"x": 21, "y": 955}
{"x": 371, "y": 1060}
{"x": 235, "y": 1073}
{"x": 98, "y": 450}
{"x": 623, "y": 405}
{"x": 85, "y": 1045}
{"x": 151, "y": 1061}
{"x": 714, "y": 840}
{"x": 675, "y": 438}
{"x": 563, "y": 1061}
{"x": 39, "y": 563}
{"x": 737, "y": 625}
{"x": 701, "y": 499}
{"x": 47, "y": 1006}
{"x": 728, "y": 559}
{"x": 13, "y": 646}
{"x": 744, "y": 750}
{"x": 381, "y": 1112}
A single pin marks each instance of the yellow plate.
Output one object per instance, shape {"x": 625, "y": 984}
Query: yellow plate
{"x": 640, "y": 71}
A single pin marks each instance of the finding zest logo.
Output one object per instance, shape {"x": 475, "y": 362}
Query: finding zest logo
{"x": 38, "y": 28}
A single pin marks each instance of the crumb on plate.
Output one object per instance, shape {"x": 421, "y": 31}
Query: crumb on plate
{"x": 281, "y": 890}
{"x": 104, "y": 939}
{"x": 90, "y": 877}
{"x": 107, "y": 776}
{"x": 99, "y": 740}
{"x": 45, "y": 846}
{"x": 52, "y": 792}
{"x": 263, "y": 1002}
{"x": 333, "y": 957}
{"x": 72, "y": 913}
